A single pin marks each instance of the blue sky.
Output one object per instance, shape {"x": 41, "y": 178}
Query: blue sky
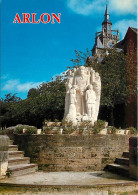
{"x": 34, "y": 53}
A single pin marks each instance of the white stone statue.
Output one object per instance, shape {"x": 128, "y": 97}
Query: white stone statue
{"x": 68, "y": 86}
{"x": 90, "y": 97}
{"x": 72, "y": 105}
{"x": 83, "y": 90}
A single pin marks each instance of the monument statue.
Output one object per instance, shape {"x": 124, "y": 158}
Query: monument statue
{"x": 83, "y": 90}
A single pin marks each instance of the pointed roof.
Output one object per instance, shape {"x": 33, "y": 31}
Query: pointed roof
{"x": 106, "y": 11}
{"x": 135, "y": 30}
{"x": 106, "y": 16}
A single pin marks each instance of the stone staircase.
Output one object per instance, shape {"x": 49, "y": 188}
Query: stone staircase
{"x": 121, "y": 165}
{"x": 17, "y": 163}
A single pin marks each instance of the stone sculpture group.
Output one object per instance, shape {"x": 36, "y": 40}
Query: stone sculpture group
{"x": 83, "y": 90}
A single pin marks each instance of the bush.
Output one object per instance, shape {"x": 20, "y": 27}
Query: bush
{"x": 56, "y": 120}
{"x": 68, "y": 130}
{"x": 19, "y": 129}
{"x": 98, "y": 126}
{"x": 51, "y": 130}
{"x": 67, "y": 123}
{"x": 68, "y": 127}
{"x": 112, "y": 130}
{"x": 31, "y": 130}
{"x": 132, "y": 130}
{"x": 86, "y": 124}
{"x": 7, "y": 131}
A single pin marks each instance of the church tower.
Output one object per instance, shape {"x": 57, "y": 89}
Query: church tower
{"x": 106, "y": 38}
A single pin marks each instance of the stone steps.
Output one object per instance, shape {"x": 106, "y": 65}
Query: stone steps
{"x": 119, "y": 169}
{"x": 125, "y": 155}
{"x": 22, "y": 169}
{"x": 13, "y": 148}
{"x": 17, "y": 163}
{"x": 11, "y": 142}
{"x": 18, "y": 160}
{"x": 121, "y": 165}
{"x": 122, "y": 161}
{"x": 14, "y": 154}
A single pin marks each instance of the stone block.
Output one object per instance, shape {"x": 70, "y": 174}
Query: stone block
{"x": 121, "y": 132}
{"x": 103, "y": 132}
{"x": 39, "y": 131}
{"x": 4, "y": 144}
{"x": 127, "y": 132}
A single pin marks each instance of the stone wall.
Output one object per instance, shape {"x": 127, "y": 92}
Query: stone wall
{"x": 4, "y": 145}
{"x": 73, "y": 153}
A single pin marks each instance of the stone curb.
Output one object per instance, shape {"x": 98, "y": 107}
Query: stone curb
{"x": 129, "y": 184}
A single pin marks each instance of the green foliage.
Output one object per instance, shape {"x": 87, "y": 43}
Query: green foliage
{"x": 33, "y": 93}
{"x": 40, "y": 167}
{"x": 51, "y": 130}
{"x": 56, "y": 120}
{"x": 11, "y": 98}
{"x": 46, "y": 102}
{"x": 68, "y": 127}
{"x": 31, "y": 130}
{"x": 124, "y": 193}
{"x": 8, "y": 173}
{"x": 133, "y": 130}
{"x": 19, "y": 129}
{"x": 67, "y": 123}
{"x": 81, "y": 58}
{"x": 86, "y": 124}
{"x": 0, "y": 132}
{"x": 68, "y": 130}
{"x": 81, "y": 130}
{"x": 112, "y": 130}
{"x": 7, "y": 131}
{"x": 98, "y": 126}
{"x": 113, "y": 76}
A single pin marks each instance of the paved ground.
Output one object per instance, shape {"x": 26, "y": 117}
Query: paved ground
{"x": 69, "y": 183}
{"x": 67, "y": 178}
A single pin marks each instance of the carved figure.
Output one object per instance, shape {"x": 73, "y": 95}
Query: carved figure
{"x": 90, "y": 97}
{"x": 83, "y": 90}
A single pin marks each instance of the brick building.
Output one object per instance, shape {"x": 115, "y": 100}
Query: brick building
{"x": 129, "y": 45}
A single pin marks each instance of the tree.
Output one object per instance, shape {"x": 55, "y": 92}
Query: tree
{"x": 81, "y": 58}
{"x": 11, "y": 98}
{"x": 45, "y": 102}
{"x": 32, "y": 93}
{"x": 53, "y": 98}
{"x": 113, "y": 77}
{"x": 6, "y": 109}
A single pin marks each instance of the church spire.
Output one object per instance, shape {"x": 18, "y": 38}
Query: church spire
{"x": 106, "y": 15}
{"x": 107, "y": 37}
